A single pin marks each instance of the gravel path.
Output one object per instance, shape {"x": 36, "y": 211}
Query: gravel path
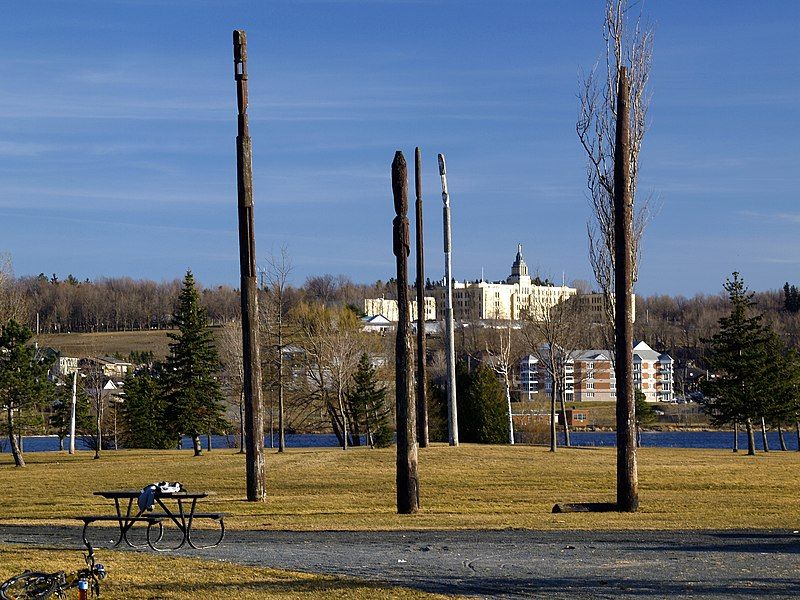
{"x": 519, "y": 564}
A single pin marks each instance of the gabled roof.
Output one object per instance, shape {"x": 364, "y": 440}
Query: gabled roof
{"x": 592, "y": 355}
{"x": 377, "y": 320}
{"x": 644, "y": 352}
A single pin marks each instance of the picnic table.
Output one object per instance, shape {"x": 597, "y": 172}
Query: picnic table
{"x": 178, "y": 508}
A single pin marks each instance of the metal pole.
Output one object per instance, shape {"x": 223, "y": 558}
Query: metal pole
{"x": 72, "y": 412}
{"x": 452, "y": 409}
{"x": 422, "y": 378}
{"x": 254, "y": 416}
{"x": 407, "y": 479}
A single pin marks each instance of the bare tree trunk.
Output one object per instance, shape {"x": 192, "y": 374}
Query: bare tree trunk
{"x": 565, "y": 425}
{"x": 627, "y": 475}
{"x": 407, "y": 478}
{"x": 343, "y": 414}
{"x": 16, "y": 452}
{"x": 336, "y": 424}
{"x": 553, "y": 431}
{"x": 797, "y": 426}
{"x": 751, "y": 440}
{"x": 254, "y": 416}
{"x": 98, "y": 429}
{"x": 780, "y": 438}
{"x": 241, "y": 423}
{"x": 422, "y": 378}
{"x": 736, "y": 436}
{"x": 281, "y": 423}
{"x": 208, "y": 441}
{"x": 510, "y": 415}
{"x": 197, "y": 446}
{"x": 764, "y": 440}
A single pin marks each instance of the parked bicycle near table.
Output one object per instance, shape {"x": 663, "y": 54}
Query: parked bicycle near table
{"x": 37, "y": 585}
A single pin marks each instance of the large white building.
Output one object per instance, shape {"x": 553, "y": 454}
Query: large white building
{"x": 388, "y": 308}
{"x": 517, "y": 297}
{"x": 513, "y": 298}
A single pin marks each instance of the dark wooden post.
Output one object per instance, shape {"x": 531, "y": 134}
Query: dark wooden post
{"x": 422, "y": 378}
{"x": 253, "y": 413}
{"x": 627, "y": 476}
{"x": 407, "y": 481}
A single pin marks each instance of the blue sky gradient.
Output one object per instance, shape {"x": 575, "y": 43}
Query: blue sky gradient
{"x": 117, "y": 136}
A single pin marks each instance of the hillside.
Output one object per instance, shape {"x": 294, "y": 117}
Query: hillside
{"x": 107, "y": 344}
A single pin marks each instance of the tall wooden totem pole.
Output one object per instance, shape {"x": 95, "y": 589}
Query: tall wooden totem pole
{"x": 407, "y": 480}
{"x": 253, "y": 413}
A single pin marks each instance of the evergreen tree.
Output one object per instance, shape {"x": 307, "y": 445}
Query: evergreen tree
{"x": 144, "y": 413}
{"x": 645, "y": 415}
{"x": 23, "y": 380}
{"x": 367, "y": 403}
{"x": 741, "y": 357}
{"x": 482, "y": 409}
{"x": 791, "y": 298}
{"x": 190, "y": 386}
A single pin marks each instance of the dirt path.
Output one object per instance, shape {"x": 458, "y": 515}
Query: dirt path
{"x": 520, "y": 564}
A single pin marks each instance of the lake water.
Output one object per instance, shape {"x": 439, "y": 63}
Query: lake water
{"x": 661, "y": 439}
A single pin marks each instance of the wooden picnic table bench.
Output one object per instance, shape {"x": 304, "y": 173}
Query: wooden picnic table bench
{"x": 178, "y": 508}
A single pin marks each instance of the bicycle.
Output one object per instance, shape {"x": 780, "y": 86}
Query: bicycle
{"x": 37, "y": 585}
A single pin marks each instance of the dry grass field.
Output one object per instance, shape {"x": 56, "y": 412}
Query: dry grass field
{"x": 143, "y": 575}
{"x": 466, "y": 487}
{"x": 106, "y": 344}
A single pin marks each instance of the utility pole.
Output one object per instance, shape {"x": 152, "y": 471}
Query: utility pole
{"x": 422, "y": 378}
{"x": 253, "y": 410}
{"x": 449, "y": 334}
{"x": 407, "y": 479}
{"x": 72, "y": 410}
{"x": 627, "y": 475}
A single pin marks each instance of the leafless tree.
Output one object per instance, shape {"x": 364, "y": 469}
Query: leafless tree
{"x": 277, "y": 272}
{"x": 332, "y": 340}
{"x": 611, "y": 128}
{"x": 94, "y": 381}
{"x": 12, "y": 300}
{"x": 630, "y": 46}
{"x": 504, "y": 354}
{"x": 553, "y": 336}
{"x": 229, "y": 344}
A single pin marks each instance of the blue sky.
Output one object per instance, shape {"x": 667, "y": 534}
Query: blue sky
{"x": 117, "y": 136}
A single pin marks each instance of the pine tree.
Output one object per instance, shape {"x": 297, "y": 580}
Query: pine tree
{"x": 645, "y": 414}
{"x": 482, "y": 407}
{"x": 190, "y": 385}
{"x": 368, "y": 406}
{"x": 144, "y": 414}
{"x": 23, "y": 380}
{"x": 791, "y": 298}
{"x": 740, "y": 355}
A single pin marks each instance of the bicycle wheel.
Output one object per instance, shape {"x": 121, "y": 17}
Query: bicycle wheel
{"x": 30, "y": 585}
